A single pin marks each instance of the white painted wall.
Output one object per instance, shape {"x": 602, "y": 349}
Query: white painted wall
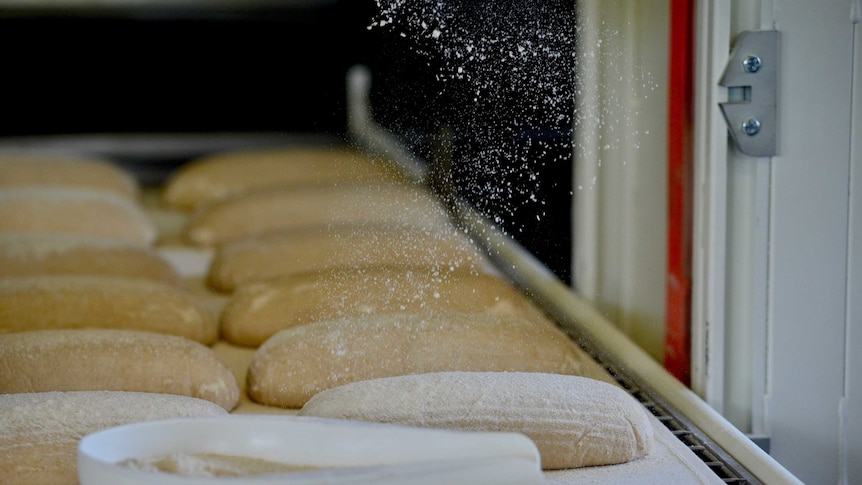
{"x": 808, "y": 238}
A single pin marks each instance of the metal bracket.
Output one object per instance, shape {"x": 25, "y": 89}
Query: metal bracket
{"x": 751, "y": 79}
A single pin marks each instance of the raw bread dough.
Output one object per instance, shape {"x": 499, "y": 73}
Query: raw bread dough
{"x": 113, "y": 360}
{"x": 261, "y": 212}
{"x": 574, "y": 421}
{"x": 293, "y": 251}
{"x": 57, "y": 302}
{"x": 53, "y": 171}
{"x": 258, "y": 310}
{"x": 57, "y": 254}
{"x": 231, "y": 173}
{"x": 39, "y": 432}
{"x": 74, "y": 211}
{"x": 299, "y": 362}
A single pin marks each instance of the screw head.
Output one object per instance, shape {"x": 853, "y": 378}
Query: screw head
{"x": 752, "y": 64}
{"x": 751, "y": 126}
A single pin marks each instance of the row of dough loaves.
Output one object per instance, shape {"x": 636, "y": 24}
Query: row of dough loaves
{"x": 96, "y": 328}
{"x": 362, "y": 301}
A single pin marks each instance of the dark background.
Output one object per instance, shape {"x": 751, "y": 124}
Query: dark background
{"x": 282, "y": 69}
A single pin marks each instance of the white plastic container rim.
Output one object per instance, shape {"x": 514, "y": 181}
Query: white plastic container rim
{"x": 345, "y": 452}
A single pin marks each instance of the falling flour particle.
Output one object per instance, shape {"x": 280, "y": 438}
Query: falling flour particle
{"x": 511, "y": 77}
{"x": 511, "y": 66}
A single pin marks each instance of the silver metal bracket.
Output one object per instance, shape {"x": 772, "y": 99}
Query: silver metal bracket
{"x": 751, "y": 79}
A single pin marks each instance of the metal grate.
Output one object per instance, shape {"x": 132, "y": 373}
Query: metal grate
{"x": 719, "y": 462}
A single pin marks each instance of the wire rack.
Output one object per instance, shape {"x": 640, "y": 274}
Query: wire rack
{"x": 723, "y": 465}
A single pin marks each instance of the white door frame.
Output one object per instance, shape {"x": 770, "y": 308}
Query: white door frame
{"x": 772, "y": 299}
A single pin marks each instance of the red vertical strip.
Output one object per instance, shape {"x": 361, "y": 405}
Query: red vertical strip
{"x": 680, "y": 161}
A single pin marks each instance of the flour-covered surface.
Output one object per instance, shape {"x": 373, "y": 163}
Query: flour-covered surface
{"x": 669, "y": 462}
{"x": 574, "y": 421}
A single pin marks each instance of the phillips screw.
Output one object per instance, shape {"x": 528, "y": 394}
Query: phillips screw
{"x": 752, "y": 64}
{"x": 751, "y": 126}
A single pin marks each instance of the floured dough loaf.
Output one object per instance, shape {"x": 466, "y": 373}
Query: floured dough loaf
{"x": 56, "y": 254}
{"x": 56, "y": 170}
{"x": 39, "y": 432}
{"x": 113, "y": 360}
{"x": 257, "y": 311}
{"x": 58, "y": 302}
{"x": 216, "y": 176}
{"x": 574, "y": 421}
{"x": 74, "y": 211}
{"x": 293, "y": 251}
{"x": 262, "y": 212}
{"x": 299, "y": 362}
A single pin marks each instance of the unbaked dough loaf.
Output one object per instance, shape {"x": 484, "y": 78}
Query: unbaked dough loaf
{"x": 56, "y": 170}
{"x": 57, "y": 302}
{"x": 113, "y": 360}
{"x": 293, "y": 251}
{"x": 261, "y": 212}
{"x": 74, "y": 211}
{"x": 216, "y": 176}
{"x": 258, "y": 310}
{"x": 574, "y": 421}
{"x": 299, "y": 362}
{"x": 56, "y": 254}
{"x": 39, "y": 432}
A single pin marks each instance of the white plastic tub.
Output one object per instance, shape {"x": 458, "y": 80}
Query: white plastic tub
{"x": 344, "y": 451}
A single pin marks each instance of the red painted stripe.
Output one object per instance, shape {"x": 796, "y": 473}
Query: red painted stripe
{"x": 680, "y": 201}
